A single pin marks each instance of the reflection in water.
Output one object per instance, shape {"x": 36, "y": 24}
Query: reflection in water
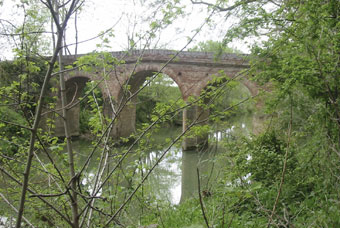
{"x": 172, "y": 163}
{"x": 190, "y": 162}
{"x": 6, "y": 222}
{"x": 88, "y": 181}
{"x": 165, "y": 180}
{"x": 175, "y": 178}
{"x": 235, "y": 127}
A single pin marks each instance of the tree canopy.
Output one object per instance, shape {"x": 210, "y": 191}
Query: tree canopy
{"x": 286, "y": 175}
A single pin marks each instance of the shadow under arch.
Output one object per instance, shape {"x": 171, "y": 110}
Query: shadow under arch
{"x": 75, "y": 86}
{"x": 235, "y": 99}
{"x": 203, "y": 159}
{"x": 127, "y": 98}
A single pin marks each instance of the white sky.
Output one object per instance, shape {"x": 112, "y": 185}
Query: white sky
{"x": 99, "y": 15}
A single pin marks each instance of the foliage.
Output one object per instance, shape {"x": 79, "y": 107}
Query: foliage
{"x": 287, "y": 176}
{"x": 11, "y": 137}
{"x": 229, "y": 94}
{"x": 20, "y": 81}
{"x": 160, "y": 92}
{"x": 217, "y": 47}
{"x": 300, "y": 61}
{"x": 22, "y": 78}
{"x": 90, "y": 109}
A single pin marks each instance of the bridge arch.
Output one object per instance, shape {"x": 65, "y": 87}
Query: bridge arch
{"x": 191, "y": 71}
{"x": 74, "y": 85}
{"x": 201, "y": 113}
{"x": 126, "y": 124}
{"x": 138, "y": 76}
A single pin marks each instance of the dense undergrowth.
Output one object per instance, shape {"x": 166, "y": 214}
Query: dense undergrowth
{"x": 288, "y": 175}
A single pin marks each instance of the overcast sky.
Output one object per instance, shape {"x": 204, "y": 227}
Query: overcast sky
{"x": 130, "y": 17}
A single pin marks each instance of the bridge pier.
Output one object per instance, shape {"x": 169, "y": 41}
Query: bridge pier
{"x": 73, "y": 116}
{"x": 125, "y": 125}
{"x": 74, "y": 88}
{"x": 191, "y": 71}
{"x": 198, "y": 116}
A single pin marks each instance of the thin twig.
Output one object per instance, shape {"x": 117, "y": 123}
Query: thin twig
{"x": 15, "y": 124}
{"x": 201, "y": 200}
{"x": 222, "y": 9}
{"x": 150, "y": 171}
{"x": 16, "y": 210}
{"x": 284, "y": 166}
{"x": 37, "y": 117}
{"x": 34, "y": 193}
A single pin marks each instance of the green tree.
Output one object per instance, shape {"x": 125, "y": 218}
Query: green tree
{"x": 67, "y": 198}
{"x": 297, "y": 56}
{"x": 161, "y": 90}
{"x": 214, "y": 46}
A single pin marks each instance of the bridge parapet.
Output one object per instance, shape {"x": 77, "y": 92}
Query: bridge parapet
{"x": 184, "y": 57}
{"x": 191, "y": 71}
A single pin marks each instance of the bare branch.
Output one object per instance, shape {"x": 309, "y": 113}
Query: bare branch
{"x": 16, "y": 210}
{"x": 33, "y": 192}
{"x": 222, "y": 9}
{"x": 37, "y": 118}
{"x": 284, "y": 166}
{"x": 49, "y": 195}
{"x": 15, "y": 124}
{"x": 200, "y": 197}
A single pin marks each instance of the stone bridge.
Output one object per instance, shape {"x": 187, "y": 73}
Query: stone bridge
{"x": 191, "y": 71}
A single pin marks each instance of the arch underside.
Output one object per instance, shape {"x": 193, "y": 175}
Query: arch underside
{"x": 121, "y": 84}
{"x": 127, "y": 98}
{"x": 74, "y": 90}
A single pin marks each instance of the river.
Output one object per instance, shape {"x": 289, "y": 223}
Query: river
{"x": 175, "y": 178}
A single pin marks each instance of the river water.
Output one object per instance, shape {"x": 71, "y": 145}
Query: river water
{"x": 175, "y": 178}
